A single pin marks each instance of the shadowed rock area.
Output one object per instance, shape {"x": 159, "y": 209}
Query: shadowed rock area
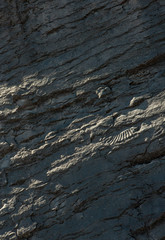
{"x": 82, "y": 120}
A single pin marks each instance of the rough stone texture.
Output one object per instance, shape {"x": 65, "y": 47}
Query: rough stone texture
{"x": 82, "y": 119}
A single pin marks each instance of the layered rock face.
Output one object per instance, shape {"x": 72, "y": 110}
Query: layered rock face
{"x": 82, "y": 120}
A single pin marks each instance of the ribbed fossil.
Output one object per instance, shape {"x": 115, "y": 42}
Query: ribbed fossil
{"x": 123, "y": 136}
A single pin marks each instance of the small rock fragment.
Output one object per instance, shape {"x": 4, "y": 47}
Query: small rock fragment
{"x": 136, "y": 101}
{"x": 103, "y": 91}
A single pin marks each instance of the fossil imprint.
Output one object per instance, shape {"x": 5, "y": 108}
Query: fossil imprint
{"x": 123, "y": 136}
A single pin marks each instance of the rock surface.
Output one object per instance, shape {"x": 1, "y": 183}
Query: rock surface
{"x": 82, "y": 120}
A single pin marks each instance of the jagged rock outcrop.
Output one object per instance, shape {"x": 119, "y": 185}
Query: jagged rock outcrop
{"x": 82, "y": 120}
